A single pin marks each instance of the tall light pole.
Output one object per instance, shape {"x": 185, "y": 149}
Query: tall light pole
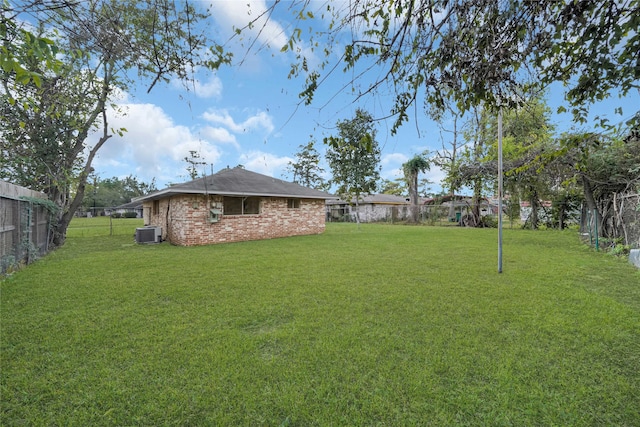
{"x": 500, "y": 189}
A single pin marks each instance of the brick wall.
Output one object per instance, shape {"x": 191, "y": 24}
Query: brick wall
{"x": 185, "y": 220}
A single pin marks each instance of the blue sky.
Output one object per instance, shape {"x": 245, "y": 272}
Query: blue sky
{"x": 250, "y": 114}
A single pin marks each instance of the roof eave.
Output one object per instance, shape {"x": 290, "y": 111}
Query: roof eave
{"x": 173, "y": 192}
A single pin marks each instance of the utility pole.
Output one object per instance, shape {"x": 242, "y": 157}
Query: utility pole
{"x": 500, "y": 189}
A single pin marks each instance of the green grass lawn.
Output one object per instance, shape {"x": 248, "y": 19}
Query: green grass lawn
{"x": 103, "y": 226}
{"x": 377, "y": 325}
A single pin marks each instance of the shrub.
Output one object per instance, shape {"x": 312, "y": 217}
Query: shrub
{"x": 489, "y": 221}
{"x": 615, "y": 246}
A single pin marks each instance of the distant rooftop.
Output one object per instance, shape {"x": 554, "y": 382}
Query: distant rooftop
{"x": 378, "y": 199}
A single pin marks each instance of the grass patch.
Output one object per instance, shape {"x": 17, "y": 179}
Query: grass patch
{"x": 381, "y": 325}
{"x": 103, "y": 226}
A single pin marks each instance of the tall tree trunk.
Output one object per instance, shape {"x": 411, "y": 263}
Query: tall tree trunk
{"x": 413, "y": 192}
{"x": 592, "y": 206}
{"x": 452, "y": 207}
{"x": 584, "y": 224}
{"x": 475, "y": 204}
{"x": 60, "y": 229}
{"x": 535, "y": 205}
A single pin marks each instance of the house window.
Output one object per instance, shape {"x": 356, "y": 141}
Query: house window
{"x": 156, "y": 207}
{"x": 293, "y": 203}
{"x": 241, "y": 205}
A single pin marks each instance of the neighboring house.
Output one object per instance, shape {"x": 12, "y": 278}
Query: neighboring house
{"x": 461, "y": 205}
{"x": 234, "y": 205}
{"x": 371, "y": 208}
{"x": 128, "y": 207}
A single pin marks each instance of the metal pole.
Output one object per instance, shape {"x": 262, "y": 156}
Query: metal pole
{"x": 595, "y": 224}
{"x": 500, "y": 190}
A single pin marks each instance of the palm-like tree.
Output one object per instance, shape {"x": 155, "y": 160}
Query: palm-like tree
{"x": 412, "y": 168}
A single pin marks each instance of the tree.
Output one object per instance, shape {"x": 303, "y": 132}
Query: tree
{"x": 114, "y": 191}
{"x": 607, "y": 169}
{"x": 473, "y": 169}
{"x": 397, "y": 187}
{"x": 306, "y": 168}
{"x": 102, "y": 44}
{"x": 354, "y": 158}
{"x": 447, "y": 158}
{"x": 526, "y": 136}
{"x": 412, "y": 168}
{"x": 424, "y": 187}
{"x": 527, "y": 133}
{"x": 476, "y": 52}
{"x": 39, "y": 126}
{"x": 193, "y": 161}
{"x": 19, "y": 49}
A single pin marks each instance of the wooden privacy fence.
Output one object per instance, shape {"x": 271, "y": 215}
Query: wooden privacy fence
{"x": 24, "y": 226}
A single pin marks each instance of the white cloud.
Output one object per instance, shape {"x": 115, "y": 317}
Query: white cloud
{"x": 263, "y": 28}
{"x": 220, "y": 135}
{"x": 237, "y": 15}
{"x": 392, "y": 174}
{"x": 265, "y": 163}
{"x": 153, "y": 146}
{"x": 212, "y": 88}
{"x": 393, "y": 159}
{"x": 435, "y": 174}
{"x": 209, "y": 89}
{"x": 259, "y": 120}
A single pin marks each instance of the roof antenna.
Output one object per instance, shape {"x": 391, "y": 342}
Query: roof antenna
{"x": 204, "y": 180}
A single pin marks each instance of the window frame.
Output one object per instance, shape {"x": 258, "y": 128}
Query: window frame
{"x": 249, "y": 205}
{"x": 293, "y": 203}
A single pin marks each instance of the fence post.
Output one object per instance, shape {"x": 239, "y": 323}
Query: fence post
{"x": 28, "y": 233}
{"x": 589, "y": 229}
{"x": 595, "y": 223}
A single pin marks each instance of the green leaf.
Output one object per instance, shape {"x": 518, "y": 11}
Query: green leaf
{"x": 36, "y": 80}
{"x": 23, "y": 77}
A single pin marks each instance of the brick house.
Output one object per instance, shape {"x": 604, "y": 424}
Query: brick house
{"x": 233, "y": 205}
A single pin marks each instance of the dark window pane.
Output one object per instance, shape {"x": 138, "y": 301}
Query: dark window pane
{"x": 241, "y": 205}
{"x": 233, "y": 206}
{"x": 251, "y": 205}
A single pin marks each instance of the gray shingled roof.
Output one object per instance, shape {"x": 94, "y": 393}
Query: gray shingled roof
{"x": 239, "y": 182}
{"x": 134, "y": 204}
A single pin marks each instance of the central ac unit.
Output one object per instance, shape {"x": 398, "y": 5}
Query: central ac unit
{"x": 149, "y": 234}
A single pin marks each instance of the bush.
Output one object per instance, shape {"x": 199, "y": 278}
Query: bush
{"x": 130, "y": 215}
{"x": 615, "y": 246}
{"x": 489, "y": 221}
{"x": 115, "y": 215}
